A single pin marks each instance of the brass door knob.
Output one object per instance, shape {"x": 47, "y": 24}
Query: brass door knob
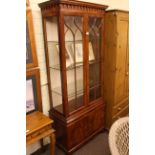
{"x": 119, "y": 108}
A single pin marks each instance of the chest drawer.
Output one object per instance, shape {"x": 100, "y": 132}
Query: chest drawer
{"x": 121, "y": 113}
{"x": 120, "y": 106}
{"x": 38, "y": 132}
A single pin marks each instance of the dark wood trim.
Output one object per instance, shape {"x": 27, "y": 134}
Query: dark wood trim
{"x": 71, "y": 6}
{"x": 74, "y": 3}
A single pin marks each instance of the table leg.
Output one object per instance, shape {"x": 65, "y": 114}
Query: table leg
{"x": 52, "y": 144}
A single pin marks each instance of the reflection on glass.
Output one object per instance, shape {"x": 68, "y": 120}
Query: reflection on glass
{"x": 95, "y": 63}
{"x": 74, "y": 60}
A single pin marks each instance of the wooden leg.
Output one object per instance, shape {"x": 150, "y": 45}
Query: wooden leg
{"x": 52, "y": 148}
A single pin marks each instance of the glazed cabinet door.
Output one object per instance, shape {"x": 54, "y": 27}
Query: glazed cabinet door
{"x": 121, "y": 80}
{"x": 95, "y": 57}
{"x": 74, "y": 52}
{"x": 54, "y": 68}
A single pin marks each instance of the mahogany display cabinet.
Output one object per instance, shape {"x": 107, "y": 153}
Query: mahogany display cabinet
{"x": 73, "y": 38}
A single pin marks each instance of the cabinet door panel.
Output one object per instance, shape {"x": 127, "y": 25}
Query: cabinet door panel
{"x": 124, "y": 112}
{"x": 120, "y": 106}
{"x": 73, "y": 29}
{"x": 53, "y": 56}
{"x": 94, "y": 55}
{"x": 121, "y": 59}
{"x": 77, "y": 132}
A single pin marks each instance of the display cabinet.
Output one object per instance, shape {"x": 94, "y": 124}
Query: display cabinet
{"x": 73, "y": 37}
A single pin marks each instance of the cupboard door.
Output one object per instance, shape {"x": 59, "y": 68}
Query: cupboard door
{"x": 121, "y": 59}
{"x": 76, "y": 132}
{"x": 94, "y": 56}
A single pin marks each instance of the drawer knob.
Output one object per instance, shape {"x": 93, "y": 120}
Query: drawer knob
{"x": 119, "y": 108}
{"x": 127, "y": 73}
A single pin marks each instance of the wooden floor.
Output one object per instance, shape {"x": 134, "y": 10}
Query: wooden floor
{"x": 97, "y": 146}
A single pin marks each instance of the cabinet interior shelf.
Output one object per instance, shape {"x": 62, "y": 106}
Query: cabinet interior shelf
{"x": 79, "y": 91}
{"x": 78, "y": 65}
{"x": 57, "y": 67}
{"x": 71, "y": 41}
{"x": 71, "y": 89}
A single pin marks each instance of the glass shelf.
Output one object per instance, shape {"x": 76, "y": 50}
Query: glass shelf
{"x": 71, "y": 89}
{"x": 94, "y": 86}
{"x": 70, "y": 41}
{"x": 78, "y": 65}
{"x": 71, "y": 48}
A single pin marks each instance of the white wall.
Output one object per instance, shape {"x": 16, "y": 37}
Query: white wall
{"x": 113, "y": 4}
{"x": 37, "y": 22}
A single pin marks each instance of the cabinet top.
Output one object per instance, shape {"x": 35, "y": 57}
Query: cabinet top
{"x": 117, "y": 10}
{"x": 73, "y": 3}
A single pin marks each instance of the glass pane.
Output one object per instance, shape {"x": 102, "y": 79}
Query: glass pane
{"x": 94, "y": 58}
{"x": 54, "y": 62}
{"x": 74, "y": 60}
